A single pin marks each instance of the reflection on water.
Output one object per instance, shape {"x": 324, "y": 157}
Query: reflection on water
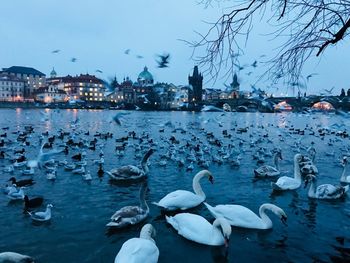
{"x": 316, "y": 231}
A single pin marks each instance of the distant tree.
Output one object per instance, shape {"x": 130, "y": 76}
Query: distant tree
{"x": 306, "y": 27}
{"x": 348, "y": 93}
{"x": 342, "y": 93}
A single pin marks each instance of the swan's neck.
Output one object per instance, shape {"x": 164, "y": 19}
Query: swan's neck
{"x": 146, "y": 233}
{"x": 312, "y": 189}
{"x": 196, "y": 185}
{"x": 143, "y": 203}
{"x": 276, "y": 162}
{"x": 144, "y": 162}
{"x": 264, "y": 217}
{"x": 297, "y": 174}
{"x": 343, "y": 175}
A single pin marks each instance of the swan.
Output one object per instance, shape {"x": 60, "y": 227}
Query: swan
{"x": 42, "y": 216}
{"x": 182, "y": 199}
{"x": 131, "y": 172}
{"x": 198, "y": 229}
{"x": 289, "y": 183}
{"x": 344, "y": 178}
{"x": 324, "y": 191}
{"x": 241, "y": 216}
{"x": 267, "y": 170}
{"x": 131, "y": 215}
{"x": 12, "y": 257}
{"x": 139, "y": 249}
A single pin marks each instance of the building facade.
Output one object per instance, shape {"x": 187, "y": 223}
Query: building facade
{"x": 33, "y": 79}
{"x": 50, "y": 94}
{"x": 11, "y": 88}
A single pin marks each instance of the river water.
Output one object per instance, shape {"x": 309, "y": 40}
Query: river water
{"x": 317, "y": 231}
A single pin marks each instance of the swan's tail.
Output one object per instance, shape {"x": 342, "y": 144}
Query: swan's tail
{"x": 346, "y": 188}
{"x": 157, "y": 204}
{"x": 172, "y": 222}
{"x": 276, "y": 187}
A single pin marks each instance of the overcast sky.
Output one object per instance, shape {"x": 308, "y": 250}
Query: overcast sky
{"x": 97, "y": 32}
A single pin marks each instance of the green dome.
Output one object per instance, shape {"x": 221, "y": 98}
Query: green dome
{"x": 145, "y": 75}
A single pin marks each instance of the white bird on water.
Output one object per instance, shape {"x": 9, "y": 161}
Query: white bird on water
{"x": 42, "y": 216}
{"x": 140, "y": 249}
{"x": 13, "y": 257}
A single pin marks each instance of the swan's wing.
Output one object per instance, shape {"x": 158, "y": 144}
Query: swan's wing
{"x": 126, "y": 171}
{"x": 194, "y": 228}
{"x": 138, "y": 250}
{"x": 286, "y": 182}
{"x": 180, "y": 199}
{"x": 329, "y": 191}
{"x": 127, "y": 212}
{"x": 239, "y": 216}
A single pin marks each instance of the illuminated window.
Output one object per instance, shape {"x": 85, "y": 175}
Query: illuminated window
{"x": 95, "y": 89}
{"x": 100, "y": 94}
{"x": 90, "y": 94}
{"x": 81, "y": 93}
{"x": 91, "y": 89}
{"x": 86, "y": 94}
{"x": 100, "y": 99}
{"x": 81, "y": 88}
{"x": 96, "y": 94}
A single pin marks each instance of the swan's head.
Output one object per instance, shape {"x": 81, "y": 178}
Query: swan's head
{"x": 209, "y": 175}
{"x": 298, "y": 158}
{"x": 148, "y": 232}
{"x": 225, "y": 228}
{"x": 344, "y": 161}
{"x": 309, "y": 178}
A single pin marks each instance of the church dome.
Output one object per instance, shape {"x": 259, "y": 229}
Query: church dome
{"x": 53, "y": 73}
{"x": 145, "y": 76}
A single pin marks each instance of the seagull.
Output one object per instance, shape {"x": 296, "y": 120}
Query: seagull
{"x": 116, "y": 118}
{"x": 239, "y": 67}
{"x": 99, "y": 71}
{"x": 73, "y": 60}
{"x": 255, "y": 64}
{"x": 163, "y": 63}
{"x": 42, "y": 157}
{"x": 126, "y": 52}
{"x": 139, "y": 56}
{"x": 55, "y": 51}
{"x": 311, "y": 75}
{"x": 329, "y": 91}
{"x": 42, "y": 216}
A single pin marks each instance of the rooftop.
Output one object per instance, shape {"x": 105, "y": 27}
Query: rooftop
{"x": 23, "y": 70}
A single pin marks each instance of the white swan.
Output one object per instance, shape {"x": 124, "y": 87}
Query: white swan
{"x": 324, "y": 191}
{"x": 267, "y": 170}
{"x": 139, "y": 250}
{"x": 198, "y": 229}
{"x": 182, "y": 199}
{"x": 289, "y": 183}
{"x": 12, "y": 257}
{"x": 131, "y": 172}
{"x": 42, "y": 216}
{"x": 131, "y": 215}
{"x": 241, "y": 216}
{"x": 344, "y": 178}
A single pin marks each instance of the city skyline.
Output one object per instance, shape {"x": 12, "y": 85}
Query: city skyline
{"x": 98, "y": 35}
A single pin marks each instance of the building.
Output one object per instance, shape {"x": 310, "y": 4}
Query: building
{"x": 196, "y": 81}
{"x": 232, "y": 90}
{"x": 81, "y": 87}
{"x": 11, "y": 88}
{"x": 33, "y": 79}
{"x": 50, "y": 94}
{"x": 145, "y": 78}
{"x": 128, "y": 90}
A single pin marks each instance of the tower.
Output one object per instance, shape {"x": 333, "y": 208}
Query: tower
{"x": 53, "y": 73}
{"x": 196, "y": 81}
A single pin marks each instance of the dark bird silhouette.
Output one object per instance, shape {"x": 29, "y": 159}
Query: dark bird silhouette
{"x": 32, "y": 203}
{"x": 73, "y": 60}
{"x": 311, "y": 75}
{"x": 164, "y": 60}
{"x": 139, "y": 56}
{"x": 239, "y": 67}
{"x": 126, "y": 52}
{"x": 55, "y": 51}
{"x": 99, "y": 71}
{"x": 255, "y": 64}
{"x": 20, "y": 183}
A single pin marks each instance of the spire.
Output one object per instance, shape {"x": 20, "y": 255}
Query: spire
{"x": 195, "y": 71}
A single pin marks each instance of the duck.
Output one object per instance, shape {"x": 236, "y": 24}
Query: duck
{"x": 344, "y": 178}
{"x": 131, "y": 215}
{"x": 182, "y": 199}
{"x": 32, "y": 203}
{"x": 52, "y": 175}
{"x": 87, "y": 176}
{"x": 20, "y": 183}
{"x": 240, "y": 216}
{"x": 131, "y": 172}
{"x": 42, "y": 216}
{"x": 196, "y": 228}
{"x": 14, "y": 195}
{"x": 80, "y": 170}
{"x": 13, "y": 257}
{"x": 289, "y": 183}
{"x": 324, "y": 191}
{"x": 140, "y": 249}
{"x": 267, "y": 170}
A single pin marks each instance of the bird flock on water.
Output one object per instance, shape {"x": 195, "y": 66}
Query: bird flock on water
{"x": 191, "y": 147}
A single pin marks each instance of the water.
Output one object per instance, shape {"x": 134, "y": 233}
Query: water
{"x": 317, "y": 231}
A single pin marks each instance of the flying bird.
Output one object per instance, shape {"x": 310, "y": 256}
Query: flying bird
{"x": 139, "y": 56}
{"x": 126, "y": 52}
{"x": 311, "y": 75}
{"x": 255, "y": 64}
{"x": 239, "y": 67}
{"x": 99, "y": 71}
{"x": 163, "y": 63}
{"x": 55, "y": 51}
{"x": 73, "y": 60}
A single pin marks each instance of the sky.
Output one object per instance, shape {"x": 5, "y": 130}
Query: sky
{"x": 97, "y": 33}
